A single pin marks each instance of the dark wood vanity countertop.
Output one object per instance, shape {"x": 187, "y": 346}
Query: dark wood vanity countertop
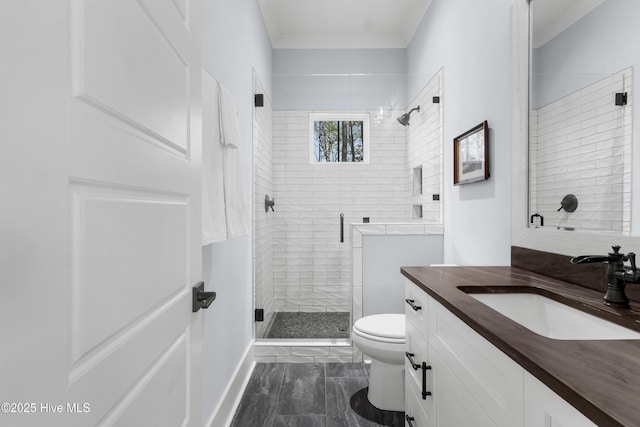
{"x": 600, "y": 378}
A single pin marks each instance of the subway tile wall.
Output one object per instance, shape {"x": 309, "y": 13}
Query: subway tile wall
{"x": 581, "y": 144}
{"x": 424, "y": 149}
{"x": 263, "y": 223}
{"x": 312, "y": 268}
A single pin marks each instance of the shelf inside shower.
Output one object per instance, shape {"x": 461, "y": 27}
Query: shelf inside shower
{"x": 309, "y": 325}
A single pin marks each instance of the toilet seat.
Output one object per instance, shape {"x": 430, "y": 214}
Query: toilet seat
{"x": 388, "y": 328}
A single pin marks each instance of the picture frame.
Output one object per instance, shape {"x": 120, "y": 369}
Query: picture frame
{"x": 471, "y": 155}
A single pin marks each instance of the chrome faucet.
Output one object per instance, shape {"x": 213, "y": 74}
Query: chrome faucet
{"x": 618, "y": 274}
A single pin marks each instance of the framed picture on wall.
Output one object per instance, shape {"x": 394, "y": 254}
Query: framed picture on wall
{"x": 471, "y": 155}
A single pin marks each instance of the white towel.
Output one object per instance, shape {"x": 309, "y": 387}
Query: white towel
{"x": 228, "y": 118}
{"x": 234, "y": 192}
{"x": 214, "y": 222}
{"x": 225, "y": 213}
{"x": 235, "y": 199}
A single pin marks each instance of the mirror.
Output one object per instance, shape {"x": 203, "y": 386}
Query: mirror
{"x": 583, "y": 63}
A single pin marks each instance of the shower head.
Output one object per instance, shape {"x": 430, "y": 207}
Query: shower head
{"x": 404, "y": 119}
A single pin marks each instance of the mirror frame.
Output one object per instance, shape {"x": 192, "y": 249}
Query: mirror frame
{"x": 571, "y": 243}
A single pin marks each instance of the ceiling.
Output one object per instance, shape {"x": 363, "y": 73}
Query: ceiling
{"x": 334, "y": 24}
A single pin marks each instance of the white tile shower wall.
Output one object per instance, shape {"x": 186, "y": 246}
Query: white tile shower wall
{"x": 312, "y": 269}
{"x": 581, "y": 144}
{"x": 263, "y": 221}
{"x": 424, "y": 148}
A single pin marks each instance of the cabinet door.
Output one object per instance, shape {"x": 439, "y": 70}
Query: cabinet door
{"x": 491, "y": 377}
{"x": 544, "y": 408}
{"x": 420, "y": 411}
{"x": 416, "y": 345}
{"x": 453, "y": 404}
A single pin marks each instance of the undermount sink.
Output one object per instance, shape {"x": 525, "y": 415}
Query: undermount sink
{"x": 551, "y": 318}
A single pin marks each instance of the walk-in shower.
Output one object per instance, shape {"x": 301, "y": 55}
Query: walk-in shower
{"x": 329, "y": 150}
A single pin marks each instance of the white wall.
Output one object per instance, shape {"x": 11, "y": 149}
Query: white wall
{"x": 601, "y": 43}
{"x": 472, "y": 42}
{"x": 382, "y": 257}
{"x": 234, "y": 42}
{"x": 339, "y": 79}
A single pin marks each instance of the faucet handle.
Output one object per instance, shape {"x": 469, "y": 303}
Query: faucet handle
{"x": 616, "y": 248}
{"x": 632, "y": 260}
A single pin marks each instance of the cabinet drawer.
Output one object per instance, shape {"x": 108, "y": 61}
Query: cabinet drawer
{"x": 416, "y": 307}
{"x": 421, "y": 411}
{"x": 416, "y": 344}
{"x": 491, "y": 377}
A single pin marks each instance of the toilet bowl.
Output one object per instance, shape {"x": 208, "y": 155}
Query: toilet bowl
{"x": 381, "y": 337}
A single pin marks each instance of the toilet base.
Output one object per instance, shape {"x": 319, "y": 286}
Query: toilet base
{"x": 386, "y": 386}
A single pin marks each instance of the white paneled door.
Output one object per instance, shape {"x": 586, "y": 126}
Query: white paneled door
{"x": 100, "y": 135}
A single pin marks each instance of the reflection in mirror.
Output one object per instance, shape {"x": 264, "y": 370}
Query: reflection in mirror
{"x": 580, "y": 122}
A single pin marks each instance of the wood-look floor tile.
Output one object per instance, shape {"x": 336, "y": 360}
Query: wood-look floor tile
{"x": 255, "y": 410}
{"x": 346, "y": 370}
{"x": 303, "y": 390}
{"x": 266, "y": 379}
{"x": 299, "y": 421}
{"x": 347, "y": 405}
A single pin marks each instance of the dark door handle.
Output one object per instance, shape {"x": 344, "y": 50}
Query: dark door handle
{"x": 425, "y": 368}
{"x": 411, "y": 303}
{"x": 409, "y": 420}
{"x": 201, "y": 298}
{"x": 414, "y": 365}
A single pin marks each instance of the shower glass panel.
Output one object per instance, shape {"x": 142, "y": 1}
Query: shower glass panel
{"x": 302, "y": 270}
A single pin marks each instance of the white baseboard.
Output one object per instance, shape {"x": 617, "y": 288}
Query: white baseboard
{"x": 224, "y": 412}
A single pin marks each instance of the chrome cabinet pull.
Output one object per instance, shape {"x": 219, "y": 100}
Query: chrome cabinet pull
{"x": 411, "y": 303}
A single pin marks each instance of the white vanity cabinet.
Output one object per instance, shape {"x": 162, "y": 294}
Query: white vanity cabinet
{"x": 543, "y": 408}
{"x": 470, "y": 382}
{"x": 416, "y": 312}
{"x": 491, "y": 383}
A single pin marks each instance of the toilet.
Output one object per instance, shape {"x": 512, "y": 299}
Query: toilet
{"x": 380, "y": 337}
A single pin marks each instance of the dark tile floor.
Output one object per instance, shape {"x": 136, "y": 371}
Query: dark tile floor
{"x": 310, "y": 395}
{"x": 309, "y": 325}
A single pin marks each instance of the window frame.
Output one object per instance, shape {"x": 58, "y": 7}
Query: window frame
{"x": 363, "y": 117}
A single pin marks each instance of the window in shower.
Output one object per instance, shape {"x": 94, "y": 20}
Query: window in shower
{"x": 339, "y": 138}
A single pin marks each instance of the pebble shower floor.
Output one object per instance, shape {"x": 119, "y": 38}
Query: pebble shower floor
{"x": 309, "y": 325}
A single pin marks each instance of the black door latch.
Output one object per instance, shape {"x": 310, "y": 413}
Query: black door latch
{"x": 201, "y": 299}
